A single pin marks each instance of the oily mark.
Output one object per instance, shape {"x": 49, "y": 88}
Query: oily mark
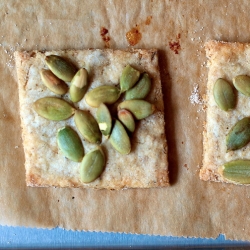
{"x": 134, "y": 35}
{"x": 148, "y": 20}
{"x": 105, "y": 37}
{"x": 175, "y": 45}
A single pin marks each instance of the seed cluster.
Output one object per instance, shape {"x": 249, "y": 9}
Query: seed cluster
{"x": 134, "y": 87}
{"x": 239, "y": 135}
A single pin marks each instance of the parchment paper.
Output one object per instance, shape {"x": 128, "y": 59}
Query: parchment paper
{"x": 189, "y": 207}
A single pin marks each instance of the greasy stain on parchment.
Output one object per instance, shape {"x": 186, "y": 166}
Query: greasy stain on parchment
{"x": 175, "y": 45}
{"x": 105, "y": 37}
{"x": 134, "y": 35}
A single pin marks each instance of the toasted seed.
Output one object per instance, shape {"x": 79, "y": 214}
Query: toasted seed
{"x": 79, "y": 85}
{"x": 60, "y": 67}
{"x": 53, "y": 83}
{"x": 237, "y": 171}
{"x": 92, "y": 165}
{"x": 140, "y": 90}
{"x": 119, "y": 139}
{"x": 242, "y": 84}
{"x": 53, "y": 108}
{"x": 128, "y": 78}
{"x": 104, "y": 94}
{"x": 224, "y": 95}
{"x": 127, "y": 119}
{"x": 87, "y": 126}
{"x": 139, "y": 108}
{"x": 104, "y": 119}
{"x": 239, "y": 135}
{"x": 70, "y": 144}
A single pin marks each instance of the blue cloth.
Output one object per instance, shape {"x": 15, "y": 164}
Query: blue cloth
{"x": 20, "y": 237}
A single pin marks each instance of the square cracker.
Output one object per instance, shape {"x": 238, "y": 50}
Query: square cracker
{"x": 225, "y": 60}
{"x": 145, "y": 167}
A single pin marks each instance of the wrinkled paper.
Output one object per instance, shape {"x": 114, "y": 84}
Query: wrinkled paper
{"x": 179, "y": 29}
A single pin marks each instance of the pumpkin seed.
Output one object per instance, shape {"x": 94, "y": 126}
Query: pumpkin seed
{"x": 53, "y": 83}
{"x": 139, "y": 108}
{"x": 239, "y": 135}
{"x": 92, "y": 165}
{"x": 104, "y": 94}
{"x": 119, "y": 139}
{"x": 127, "y": 119}
{"x": 87, "y": 126}
{"x": 237, "y": 171}
{"x": 53, "y": 108}
{"x": 128, "y": 78}
{"x": 224, "y": 95}
{"x": 60, "y": 67}
{"x": 140, "y": 90}
{"x": 104, "y": 119}
{"x": 242, "y": 84}
{"x": 70, "y": 144}
{"x": 79, "y": 85}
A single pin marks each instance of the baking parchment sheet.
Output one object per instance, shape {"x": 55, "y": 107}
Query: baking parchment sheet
{"x": 189, "y": 207}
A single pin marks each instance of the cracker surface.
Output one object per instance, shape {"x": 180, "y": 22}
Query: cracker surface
{"x": 146, "y": 166}
{"x": 225, "y": 60}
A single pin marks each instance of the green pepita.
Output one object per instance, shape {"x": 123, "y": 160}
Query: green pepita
{"x": 53, "y": 108}
{"x": 127, "y": 119}
{"x": 61, "y": 67}
{"x": 224, "y": 95}
{"x": 242, "y": 84}
{"x": 104, "y": 119}
{"x": 239, "y": 135}
{"x": 139, "y": 108}
{"x": 92, "y": 165}
{"x": 128, "y": 78}
{"x": 237, "y": 171}
{"x": 79, "y": 85}
{"x": 70, "y": 144}
{"x": 140, "y": 90}
{"x": 53, "y": 83}
{"x": 104, "y": 94}
{"x": 87, "y": 126}
{"x": 119, "y": 139}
